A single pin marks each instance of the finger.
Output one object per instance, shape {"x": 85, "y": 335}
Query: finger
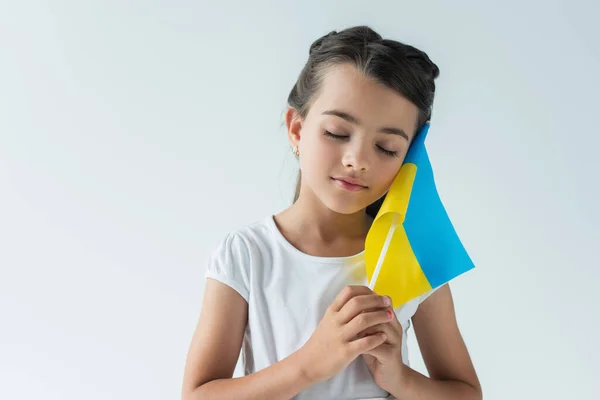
{"x": 388, "y": 301}
{"x": 362, "y": 303}
{"x": 395, "y": 322}
{"x": 366, "y": 344}
{"x": 393, "y": 335}
{"x": 381, "y": 352}
{"x": 346, "y": 294}
{"x": 364, "y": 321}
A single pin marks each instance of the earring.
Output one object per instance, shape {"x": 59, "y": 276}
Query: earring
{"x": 296, "y": 151}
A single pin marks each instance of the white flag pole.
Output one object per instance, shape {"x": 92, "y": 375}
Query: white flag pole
{"x": 384, "y": 250}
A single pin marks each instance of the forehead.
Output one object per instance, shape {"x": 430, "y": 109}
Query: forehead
{"x": 345, "y": 88}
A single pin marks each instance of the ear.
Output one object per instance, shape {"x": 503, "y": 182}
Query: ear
{"x": 293, "y": 122}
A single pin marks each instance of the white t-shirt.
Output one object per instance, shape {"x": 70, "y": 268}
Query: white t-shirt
{"x": 287, "y": 292}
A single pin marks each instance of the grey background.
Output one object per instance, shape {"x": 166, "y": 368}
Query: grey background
{"x": 135, "y": 134}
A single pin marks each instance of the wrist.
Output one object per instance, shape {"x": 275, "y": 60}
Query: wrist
{"x": 304, "y": 368}
{"x": 403, "y": 384}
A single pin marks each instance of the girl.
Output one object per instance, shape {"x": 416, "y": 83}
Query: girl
{"x": 290, "y": 291}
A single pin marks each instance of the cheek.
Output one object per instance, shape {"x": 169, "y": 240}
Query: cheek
{"x": 386, "y": 175}
{"x": 316, "y": 157}
{"x": 321, "y": 151}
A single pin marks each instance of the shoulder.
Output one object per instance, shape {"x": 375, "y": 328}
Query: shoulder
{"x": 436, "y": 309}
{"x": 247, "y": 240}
{"x": 406, "y": 311}
{"x": 233, "y": 258}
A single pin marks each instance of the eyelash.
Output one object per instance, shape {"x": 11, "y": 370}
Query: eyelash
{"x": 384, "y": 151}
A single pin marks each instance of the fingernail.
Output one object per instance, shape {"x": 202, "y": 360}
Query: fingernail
{"x": 387, "y": 301}
{"x": 389, "y": 313}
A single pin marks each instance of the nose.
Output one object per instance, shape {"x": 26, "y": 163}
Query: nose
{"x": 356, "y": 157}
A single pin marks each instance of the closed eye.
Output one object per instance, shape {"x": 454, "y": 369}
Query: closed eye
{"x": 332, "y": 135}
{"x": 381, "y": 149}
{"x": 387, "y": 152}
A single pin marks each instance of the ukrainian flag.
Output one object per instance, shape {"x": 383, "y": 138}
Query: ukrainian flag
{"x": 412, "y": 246}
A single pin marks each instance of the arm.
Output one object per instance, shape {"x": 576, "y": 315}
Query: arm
{"x": 451, "y": 372}
{"x": 214, "y": 352}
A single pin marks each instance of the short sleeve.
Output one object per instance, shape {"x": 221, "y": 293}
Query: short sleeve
{"x": 229, "y": 264}
{"x": 425, "y": 295}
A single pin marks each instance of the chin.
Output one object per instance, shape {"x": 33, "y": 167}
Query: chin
{"x": 345, "y": 206}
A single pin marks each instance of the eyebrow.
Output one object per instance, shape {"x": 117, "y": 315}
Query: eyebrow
{"x": 353, "y": 120}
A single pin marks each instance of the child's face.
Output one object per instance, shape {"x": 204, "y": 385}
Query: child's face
{"x": 359, "y": 154}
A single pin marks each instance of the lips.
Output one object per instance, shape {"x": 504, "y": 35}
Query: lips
{"x": 347, "y": 184}
{"x": 351, "y": 181}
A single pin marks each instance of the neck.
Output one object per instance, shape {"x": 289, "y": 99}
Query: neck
{"x": 315, "y": 219}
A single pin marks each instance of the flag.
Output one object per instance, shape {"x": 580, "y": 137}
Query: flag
{"x": 412, "y": 246}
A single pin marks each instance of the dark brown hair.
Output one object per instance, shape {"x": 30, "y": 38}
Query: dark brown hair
{"x": 399, "y": 66}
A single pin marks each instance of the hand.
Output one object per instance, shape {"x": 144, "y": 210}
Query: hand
{"x": 385, "y": 361}
{"x": 335, "y": 342}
